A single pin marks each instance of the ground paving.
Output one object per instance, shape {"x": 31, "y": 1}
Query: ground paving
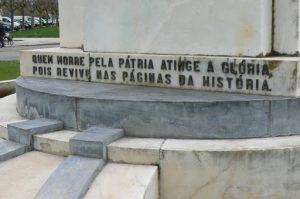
{"x": 23, "y": 176}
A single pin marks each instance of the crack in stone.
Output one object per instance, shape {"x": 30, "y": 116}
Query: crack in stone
{"x": 212, "y": 179}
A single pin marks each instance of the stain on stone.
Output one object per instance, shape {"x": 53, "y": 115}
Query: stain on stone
{"x": 274, "y": 64}
{"x": 260, "y": 55}
{"x": 247, "y": 33}
{"x": 198, "y": 157}
{"x": 236, "y": 192}
{"x": 292, "y": 186}
{"x": 294, "y": 79}
{"x": 46, "y": 147}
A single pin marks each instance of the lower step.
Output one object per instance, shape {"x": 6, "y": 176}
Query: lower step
{"x": 3, "y": 128}
{"x": 56, "y": 143}
{"x": 10, "y": 150}
{"x": 125, "y": 181}
{"x": 23, "y": 176}
{"x": 71, "y": 179}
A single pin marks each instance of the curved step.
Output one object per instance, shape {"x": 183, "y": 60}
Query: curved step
{"x": 156, "y": 112}
{"x": 125, "y": 181}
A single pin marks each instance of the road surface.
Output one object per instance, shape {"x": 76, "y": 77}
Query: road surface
{"x": 13, "y": 53}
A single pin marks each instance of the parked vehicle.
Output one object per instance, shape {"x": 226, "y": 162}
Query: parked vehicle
{"x": 43, "y": 21}
{"x": 7, "y": 23}
{"x": 27, "y": 25}
{"x": 28, "y": 19}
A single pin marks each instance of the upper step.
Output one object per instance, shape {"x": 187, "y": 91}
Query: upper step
{"x": 56, "y": 143}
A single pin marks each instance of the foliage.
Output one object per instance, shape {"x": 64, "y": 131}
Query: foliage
{"x": 38, "y": 8}
{"x": 9, "y": 70}
{"x": 40, "y": 32}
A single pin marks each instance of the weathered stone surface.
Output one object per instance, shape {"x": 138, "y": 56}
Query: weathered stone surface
{"x": 71, "y": 20}
{"x": 23, "y": 176}
{"x": 179, "y": 27}
{"x": 93, "y": 142}
{"x": 71, "y": 179}
{"x": 144, "y": 111}
{"x": 22, "y": 132}
{"x": 60, "y": 63}
{"x": 267, "y": 76}
{"x": 282, "y": 117}
{"x": 125, "y": 181}
{"x": 255, "y": 168}
{"x": 34, "y": 105}
{"x": 10, "y": 150}
{"x": 56, "y": 143}
{"x": 135, "y": 151}
{"x": 286, "y": 26}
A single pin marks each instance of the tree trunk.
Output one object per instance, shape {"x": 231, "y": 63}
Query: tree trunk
{"x": 23, "y": 18}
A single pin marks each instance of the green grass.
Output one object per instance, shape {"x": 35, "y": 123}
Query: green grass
{"x": 38, "y": 32}
{"x": 9, "y": 70}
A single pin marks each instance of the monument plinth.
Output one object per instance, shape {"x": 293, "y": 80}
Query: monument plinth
{"x": 198, "y": 69}
{"x": 266, "y": 76}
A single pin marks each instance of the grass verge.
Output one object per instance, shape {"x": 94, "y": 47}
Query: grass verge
{"x": 38, "y": 32}
{"x": 9, "y": 70}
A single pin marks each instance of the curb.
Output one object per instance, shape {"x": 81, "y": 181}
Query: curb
{"x": 7, "y": 87}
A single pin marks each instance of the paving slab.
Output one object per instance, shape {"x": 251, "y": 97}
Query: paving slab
{"x": 71, "y": 179}
{"x": 56, "y": 143}
{"x": 23, "y": 176}
{"x": 125, "y": 181}
{"x": 8, "y": 111}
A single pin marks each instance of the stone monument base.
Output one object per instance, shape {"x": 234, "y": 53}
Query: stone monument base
{"x": 232, "y": 168}
{"x": 157, "y": 112}
{"x": 263, "y": 168}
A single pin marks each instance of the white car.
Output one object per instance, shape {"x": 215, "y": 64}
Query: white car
{"x": 7, "y": 21}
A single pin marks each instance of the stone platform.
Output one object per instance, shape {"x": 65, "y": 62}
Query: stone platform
{"x": 156, "y": 112}
{"x": 237, "y": 168}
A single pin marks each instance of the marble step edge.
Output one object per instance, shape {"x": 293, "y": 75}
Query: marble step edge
{"x": 149, "y": 151}
{"x": 56, "y": 143}
{"x": 3, "y": 128}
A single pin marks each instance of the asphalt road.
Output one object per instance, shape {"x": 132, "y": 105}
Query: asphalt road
{"x": 13, "y": 53}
